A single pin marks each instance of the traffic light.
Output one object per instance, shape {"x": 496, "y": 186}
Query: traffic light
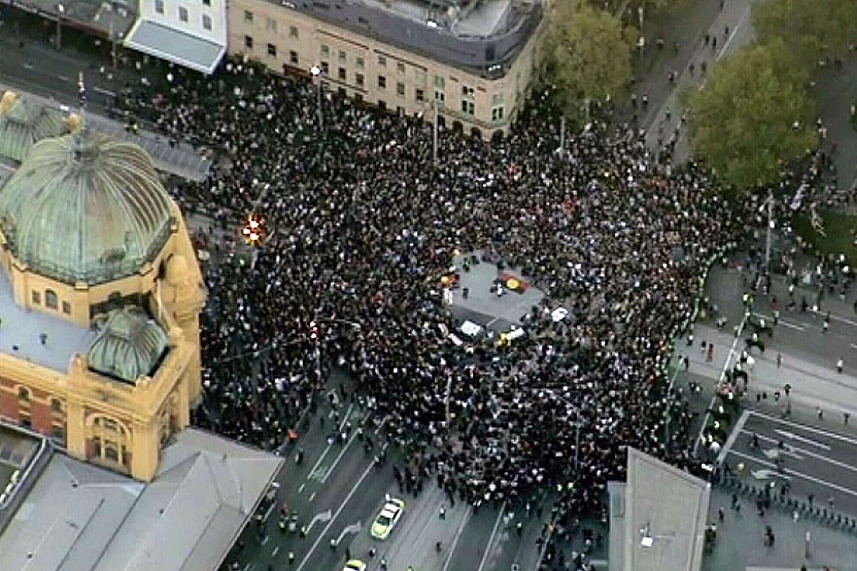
{"x": 253, "y": 231}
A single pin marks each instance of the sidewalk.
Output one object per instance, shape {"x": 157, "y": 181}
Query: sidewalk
{"x": 813, "y": 385}
{"x": 182, "y": 160}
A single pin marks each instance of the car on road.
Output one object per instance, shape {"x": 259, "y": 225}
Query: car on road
{"x": 354, "y": 565}
{"x": 388, "y": 518}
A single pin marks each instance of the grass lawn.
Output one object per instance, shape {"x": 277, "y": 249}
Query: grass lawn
{"x": 838, "y": 227}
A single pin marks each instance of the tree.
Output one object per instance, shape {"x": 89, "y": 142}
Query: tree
{"x": 753, "y": 114}
{"x": 588, "y": 54}
{"x": 811, "y": 29}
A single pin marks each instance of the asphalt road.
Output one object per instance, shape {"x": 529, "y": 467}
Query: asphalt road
{"x": 815, "y": 461}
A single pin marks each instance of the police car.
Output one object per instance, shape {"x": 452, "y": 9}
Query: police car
{"x": 388, "y": 518}
{"x": 354, "y": 565}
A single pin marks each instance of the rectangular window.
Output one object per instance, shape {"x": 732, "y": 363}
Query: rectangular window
{"x": 419, "y": 95}
{"x": 496, "y": 99}
{"x": 343, "y": 57}
{"x": 159, "y": 7}
{"x": 26, "y": 421}
{"x": 37, "y": 298}
{"x": 358, "y": 79}
{"x": 206, "y": 2}
{"x": 293, "y": 31}
{"x": 466, "y": 92}
{"x": 468, "y": 107}
{"x": 343, "y": 74}
{"x": 382, "y": 82}
{"x": 439, "y": 96}
{"x": 57, "y": 432}
{"x": 359, "y": 62}
{"x": 66, "y": 308}
{"x": 248, "y": 42}
{"x": 206, "y": 22}
{"x": 400, "y": 89}
{"x": 497, "y": 113}
{"x": 439, "y": 82}
{"x": 271, "y": 25}
{"x": 272, "y": 50}
{"x": 400, "y": 67}
{"x": 293, "y": 57}
{"x": 325, "y": 50}
{"x": 182, "y": 13}
{"x": 325, "y": 67}
{"x": 248, "y": 16}
{"x": 382, "y": 61}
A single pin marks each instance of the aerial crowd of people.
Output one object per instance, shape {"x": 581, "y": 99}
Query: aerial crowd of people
{"x": 359, "y": 227}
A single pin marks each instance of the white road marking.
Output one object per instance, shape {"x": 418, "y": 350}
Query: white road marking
{"x": 796, "y": 474}
{"x": 275, "y": 551}
{"x": 793, "y": 450}
{"x": 826, "y": 433}
{"x": 838, "y": 318}
{"x": 773, "y": 453}
{"x": 719, "y": 381}
{"x": 301, "y": 488}
{"x": 339, "y": 456}
{"x": 322, "y": 517}
{"x": 312, "y": 496}
{"x": 313, "y": 473}
{"x": 366, "y": 473}
{"x": 793, "y": 436}
{"x": 493, "y": 535}
{"x": 730, "y": 442}
{"x": 781, "y": 321}
{"x": 731, "y": 37}
{"x": 458, "y": 533}
{"x": 265, "y": 540}
{"x": 767, "y": 474}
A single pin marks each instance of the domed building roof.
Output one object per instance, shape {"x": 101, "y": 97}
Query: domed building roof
{"x": 85, "y": 208}
{"x": 22, "y": 124}
{"x": 129, "y": 345}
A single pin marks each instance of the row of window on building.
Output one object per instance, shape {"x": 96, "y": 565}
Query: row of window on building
{"x": 51, "y": 301}
{"x": 468, "y": 94}
{"x": 25, "y": 416}
{"x": 183, "y": 13}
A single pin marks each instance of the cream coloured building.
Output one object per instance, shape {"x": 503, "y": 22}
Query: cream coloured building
{"x": 474, "y": 59}
{"x": 100, "y": 294}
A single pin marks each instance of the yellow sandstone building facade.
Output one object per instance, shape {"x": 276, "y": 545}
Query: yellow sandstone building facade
{"x": 100, "y": 295}
{"x": 471, "y": 60}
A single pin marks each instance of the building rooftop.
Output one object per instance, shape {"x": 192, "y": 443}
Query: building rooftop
{"x": 480, "y": 36}
{"x": 185, "y": 520}
{"x": 21, "y": 328}
{"x": 657, "y": 519}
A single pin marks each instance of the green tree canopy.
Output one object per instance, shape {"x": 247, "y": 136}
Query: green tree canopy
{"x": 588, "y": 54}
{"x": 810, "y": 29}
{"x": 753, "y": 114}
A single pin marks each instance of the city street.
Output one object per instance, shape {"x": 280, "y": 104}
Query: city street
{"x": 816, "y": 462}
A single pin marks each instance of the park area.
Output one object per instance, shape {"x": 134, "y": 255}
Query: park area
{"x": 840, "y": 233}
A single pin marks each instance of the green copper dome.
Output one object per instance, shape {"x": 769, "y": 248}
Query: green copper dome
{"x": 129, "y": 345}
{"x": 24, "y": 124}
{"x": 85, "y": 208}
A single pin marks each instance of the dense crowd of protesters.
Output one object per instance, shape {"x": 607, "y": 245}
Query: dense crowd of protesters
{"x": 360, "y": 227}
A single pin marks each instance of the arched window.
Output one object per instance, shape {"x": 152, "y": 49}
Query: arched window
{"x": 51, "y": 299}
{"x": 24, "y": 394}
{"x": 111, "y": 452}
{"x": 56, "y": 405}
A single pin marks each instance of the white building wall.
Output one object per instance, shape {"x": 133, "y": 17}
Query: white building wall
{"x": 199, "y": 14}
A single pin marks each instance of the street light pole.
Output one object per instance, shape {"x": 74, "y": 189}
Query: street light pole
{"x": 60, "y": 12}
{"x": 770, "y": 223}
{"x": 316, "y": 72}
{"x": 434, "y": 133}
